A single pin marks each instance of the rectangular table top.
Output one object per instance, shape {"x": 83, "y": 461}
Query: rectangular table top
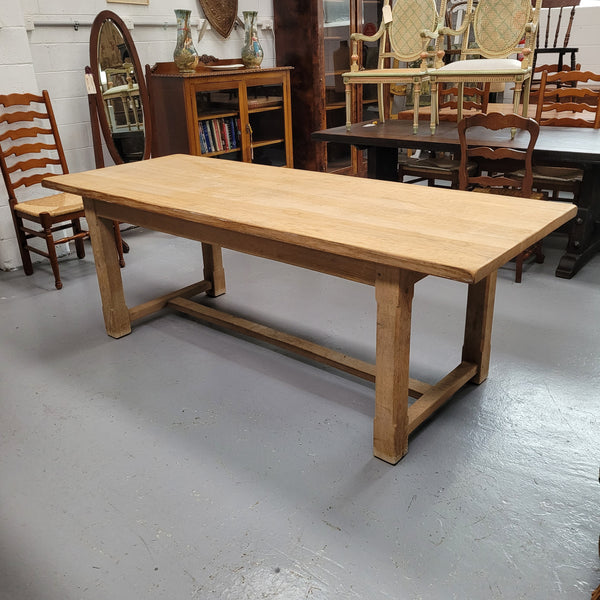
{"x": 572, "y": 145}
{"x": 449, "y": 233}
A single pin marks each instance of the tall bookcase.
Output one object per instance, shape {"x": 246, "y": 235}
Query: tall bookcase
{"x": 313, "y": 36}
{"x": 223, "y": 111}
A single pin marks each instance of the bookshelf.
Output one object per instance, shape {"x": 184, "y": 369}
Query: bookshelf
{"x": 223, "y": 112}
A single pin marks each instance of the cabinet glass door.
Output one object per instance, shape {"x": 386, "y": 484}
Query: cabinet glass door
{"x": 266, "y": 124}
{"x": 336, "y": 40}
{"x": 340, "y": 19}
{"x": 370, "y": 19}
{"x": 218, "y": 117}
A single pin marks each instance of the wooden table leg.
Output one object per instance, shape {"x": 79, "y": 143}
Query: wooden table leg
{"x": 394, "y": 291}
{"x": 116, "y": 313}
{"x": 382, "y": 163}
{"x": 478, "y": 325}
{"x": 213, "y": 268}
{"x": 584, "y": 229}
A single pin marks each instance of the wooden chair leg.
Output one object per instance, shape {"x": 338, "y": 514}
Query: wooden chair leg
{"x": 23, "y": 249}
{"x": 79, "y": 247}
{"x": 47, "y": 227}
{"x": 539, "y": 253}
{"x": 519, "y": 265}
{"x": 119, "y": 243}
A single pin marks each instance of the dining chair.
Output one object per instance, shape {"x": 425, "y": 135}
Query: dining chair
{"x": 492, "y": 33}
{"x": 444, "y": 166}
{"x": 30, "y": 151}
{"x": 566, "y": 99}
{"x": 404, "y": 35}
{"x": 534, "y": 91}
{"x": 553, "y": 23}
{"x": 456, "y": 12}
{"x": 498, "y": 167}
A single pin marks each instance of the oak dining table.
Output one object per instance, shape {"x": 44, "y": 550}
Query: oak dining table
{"x": 558, "y": 146}
{"x": 386, "y": 235}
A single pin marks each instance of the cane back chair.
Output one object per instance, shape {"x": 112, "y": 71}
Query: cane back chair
{"x": 404, "y": 35}
{"x": 497, "y": 167}
{"x": 497, "y": 28}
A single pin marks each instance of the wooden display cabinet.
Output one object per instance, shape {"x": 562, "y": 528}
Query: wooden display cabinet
{"x": 235, "y": 114}
{"x": 314, "y": 38}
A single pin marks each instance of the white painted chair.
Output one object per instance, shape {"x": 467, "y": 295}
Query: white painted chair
{"x": 404, "y": 35}
{"x": 498, "y": 28}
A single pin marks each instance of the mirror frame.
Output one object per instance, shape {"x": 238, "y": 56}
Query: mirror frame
{"x": 101, "y": 18}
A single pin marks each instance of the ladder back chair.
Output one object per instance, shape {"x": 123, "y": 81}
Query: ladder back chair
{"x": 503, "y": 171}
{"x": 534, "y": 92}
{"x": 569, "y": 99}
{"x": 406, "y": 29}
{"x": 565, "y": 100}
{"x": 497, "y": 28}
{"x": 30, "y": 151}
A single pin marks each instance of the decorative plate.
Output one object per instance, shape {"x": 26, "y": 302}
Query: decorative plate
{"x": 225, "y": 67}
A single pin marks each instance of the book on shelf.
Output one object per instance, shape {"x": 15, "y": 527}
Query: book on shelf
{"x": 207, "y": 137}
{"x": 219, "y": 135}
{"x": 224, "y": 135}
{"x": 202, "y": 138}
{"x": 214, "y": 135}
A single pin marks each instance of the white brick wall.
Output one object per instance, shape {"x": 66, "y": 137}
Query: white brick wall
{"x": 16, "y": 75}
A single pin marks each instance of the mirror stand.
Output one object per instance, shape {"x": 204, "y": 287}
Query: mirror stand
{"x": 117, "y": 98}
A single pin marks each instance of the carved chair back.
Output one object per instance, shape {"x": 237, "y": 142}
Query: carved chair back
{"x": 497, "y": 164}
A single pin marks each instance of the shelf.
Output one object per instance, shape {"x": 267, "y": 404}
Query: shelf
{"x": 253, "y": 111}
{"x": 205, "y": 116}
{"x": 335, "y": 106}
{"x": 264, "y": 143}
{"x": 337, "y": 24}
{"x": 221, "y": 152}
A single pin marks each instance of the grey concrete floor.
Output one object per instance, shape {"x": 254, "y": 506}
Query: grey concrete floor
{"x": 181, "y": 462}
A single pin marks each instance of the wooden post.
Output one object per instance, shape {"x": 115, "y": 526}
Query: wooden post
{"x": 213, "y": 268}
{"x": 478, "y": 325}
{"x": 116, "y": 313}
{"x": 394, "y": 289}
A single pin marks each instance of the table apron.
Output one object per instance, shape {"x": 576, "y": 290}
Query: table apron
{"x": 353, "y": 269}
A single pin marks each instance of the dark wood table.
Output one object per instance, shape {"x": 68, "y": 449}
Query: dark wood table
{"x": 560, "y": 146}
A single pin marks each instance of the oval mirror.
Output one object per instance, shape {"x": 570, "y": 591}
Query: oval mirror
{"x": 121, "y": 94}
